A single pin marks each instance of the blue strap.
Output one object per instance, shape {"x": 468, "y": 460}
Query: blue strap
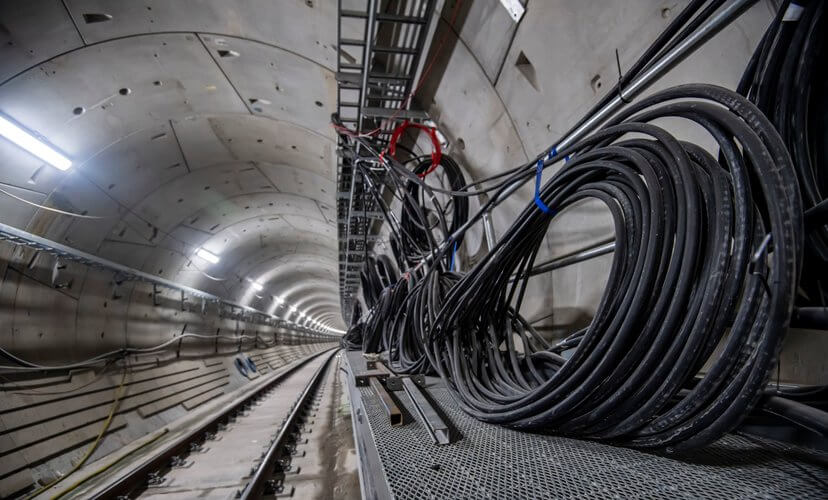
{"x": 538, "y": 200}
{"x": 452, "y": 255}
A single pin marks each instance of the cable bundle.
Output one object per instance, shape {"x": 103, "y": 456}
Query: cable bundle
{"x": 787, "y": 79}
{"x": 706, "y": 252}
{"x": 377, "y": 327}
{"x": 411, "y": 323}
{"x": 352, "y": 340}
{"x": 417, "y": 226}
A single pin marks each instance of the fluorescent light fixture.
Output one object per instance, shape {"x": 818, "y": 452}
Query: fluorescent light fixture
{"x": 208, "y": 256}
{"x": 257, "y": 286}
{"x": 33, "y": 145}
{"x": 278, "y": 299}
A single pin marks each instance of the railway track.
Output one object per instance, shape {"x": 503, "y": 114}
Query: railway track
{"x": 245, "y": 451}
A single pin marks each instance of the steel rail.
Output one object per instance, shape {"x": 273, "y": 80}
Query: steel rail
{"x": 136, "y": 477}
{"x": 264, "y": 472}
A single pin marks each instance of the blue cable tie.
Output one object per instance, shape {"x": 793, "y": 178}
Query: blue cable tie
{"x": 538, "y": 200}
{"x": 452, "y": 255}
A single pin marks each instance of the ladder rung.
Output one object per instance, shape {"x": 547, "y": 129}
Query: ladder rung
{"x": 388, "y": 76}
{"x": 385, "y": 18}
{"x": 395, "y": 18}
{"x": 353, "y": 42}
{"x": 388, "y": 112}
{"x": 395, "y": 50}
{"x": 346, "y": 77}
{"x": 358, "y": 14}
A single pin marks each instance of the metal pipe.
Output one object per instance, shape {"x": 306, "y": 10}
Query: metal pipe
{"x": 366, "y": 52}
{"x": 573, "y": 258}
{"x": 488, "y": 227}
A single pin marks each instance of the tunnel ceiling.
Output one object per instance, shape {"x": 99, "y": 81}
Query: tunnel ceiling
{"x": 190, "y": 124}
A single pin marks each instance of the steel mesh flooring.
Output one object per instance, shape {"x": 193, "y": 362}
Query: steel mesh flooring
{"x": 494, "y": 462}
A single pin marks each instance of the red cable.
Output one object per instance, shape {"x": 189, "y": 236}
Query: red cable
{"x": 436, "y": 155}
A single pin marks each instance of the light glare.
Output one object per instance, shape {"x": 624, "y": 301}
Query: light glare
{"x": 208, "y": 256}
{"x": 33, "y": 145}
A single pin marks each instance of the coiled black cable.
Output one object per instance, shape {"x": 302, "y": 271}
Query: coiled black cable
{"x": 787, "y": 79}
{"x": 416, "y": 246}
{"x": 352, "y": 340}
{"x": 706, "y": 252}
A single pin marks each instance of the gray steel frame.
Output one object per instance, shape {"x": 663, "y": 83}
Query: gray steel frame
{"x": 382, "y": 100}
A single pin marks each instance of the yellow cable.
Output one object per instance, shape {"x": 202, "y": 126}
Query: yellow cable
{"x": 119, "y": 393}
{"x": 107, "y": 466}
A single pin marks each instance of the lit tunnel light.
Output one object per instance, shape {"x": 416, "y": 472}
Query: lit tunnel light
{"x": 256, "y": 286}
{"x": 33, "y": 145}
{"x": 208, "y": 256}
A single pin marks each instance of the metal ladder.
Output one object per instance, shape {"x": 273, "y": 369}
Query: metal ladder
{"x": 380, "y": 61}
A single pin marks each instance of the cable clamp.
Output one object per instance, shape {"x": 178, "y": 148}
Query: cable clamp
{"x": 620, "y": 77}
{"x": 538, "y": 201}
{"x": 758, "y": 254}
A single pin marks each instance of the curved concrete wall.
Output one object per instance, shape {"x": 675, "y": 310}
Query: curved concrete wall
{"x": 190, "y": 125}
{"x": 502, "y": 93}
{"x": 206, "y": 124}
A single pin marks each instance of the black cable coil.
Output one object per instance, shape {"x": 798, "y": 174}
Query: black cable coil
{"x": 415, "y": 221}
{"x": 787, "y": 78}
{"x": 352, "y": 340}
{"x": 707, "y": 252}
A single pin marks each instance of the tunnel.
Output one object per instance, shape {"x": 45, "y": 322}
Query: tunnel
{"x": 413, "y": 249}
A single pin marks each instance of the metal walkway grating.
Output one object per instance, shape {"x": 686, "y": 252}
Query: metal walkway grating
{"x": 495, "y": 462}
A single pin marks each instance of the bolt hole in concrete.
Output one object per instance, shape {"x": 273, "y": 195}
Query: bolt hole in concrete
{"x": 461, "y": 144}
{"x": 79, "y": 111}
{"x": 318, "y": 103}
{"x": 157, "y": 83}
{"x": 93, "y": 18}
{"x": 595, "y": 83}
{"x": 228, "y": 53}
{"x": 125, "y": 91}
{"x": 524, "y": 65}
